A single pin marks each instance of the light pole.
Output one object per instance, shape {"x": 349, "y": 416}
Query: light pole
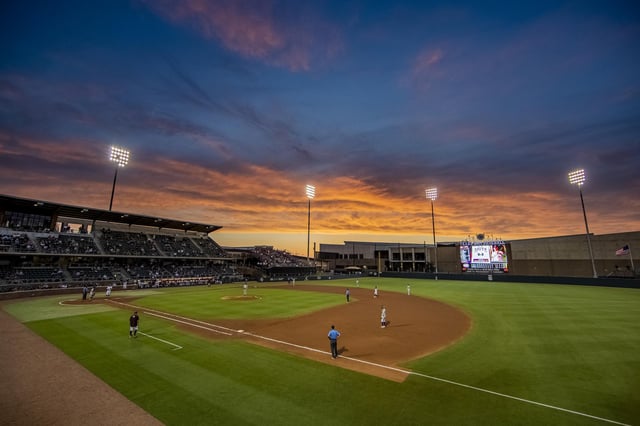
{"x": 578, "y": 178}
{"x": 432, "y": 194}
{"x": 119, "y": 156}
{"x": 311, "y": 192}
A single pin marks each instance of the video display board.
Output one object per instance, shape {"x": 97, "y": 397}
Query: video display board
{"x": 485, "y": 256}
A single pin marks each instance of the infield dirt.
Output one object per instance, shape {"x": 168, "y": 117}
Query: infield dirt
{"x": 417, "y": 327}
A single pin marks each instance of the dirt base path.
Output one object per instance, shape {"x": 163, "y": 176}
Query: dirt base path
{"x": 417, "y": 327}
{"x": 40, "y": 385}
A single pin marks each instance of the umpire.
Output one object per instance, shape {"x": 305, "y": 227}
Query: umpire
{"x": 333, "y": 339}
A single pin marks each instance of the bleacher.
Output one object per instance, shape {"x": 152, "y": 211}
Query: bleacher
{"x": 268, "y": 257}
{"x": 279, "y": 264}
{"x": 18, "y": 242}
{"x": 48, "y": 245}
{"x": 127, "y": 243}
{"x": 45, "y": 260}
{"x": 35, "y": 275}
{"x": 94, "y": 273}
{"x": 146, "y": 271}
{"x": 67, "y": 244}
{"x": 175, "y": 246}
{"x": 209, "y": 247}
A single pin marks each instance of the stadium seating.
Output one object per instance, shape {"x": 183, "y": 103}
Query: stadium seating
{"x": 46, "y": 259}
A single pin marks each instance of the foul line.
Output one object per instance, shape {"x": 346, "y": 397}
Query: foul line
{"x": 188, "y": 323}
{"x": 528, "y": 401}
{"x": 176, "y": 347}
{"x": 540, "y": 404}
{"x": 182, "y": 320}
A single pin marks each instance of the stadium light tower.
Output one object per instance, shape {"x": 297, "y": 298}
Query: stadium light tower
{"x": 578, "y": 178}
{"x": 311, "y": 192}
{"x": 432, "y": 194}
{"x": 120, "y": 156}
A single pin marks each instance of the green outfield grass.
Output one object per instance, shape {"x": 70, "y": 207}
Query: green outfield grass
{"x": 536, "y": 354}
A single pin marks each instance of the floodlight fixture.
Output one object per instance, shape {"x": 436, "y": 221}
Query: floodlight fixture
{"x": 577, "y": 177}
{"x": 432, "y": 194}
{"x": 311, "y": 192}
{"x": 120, "y": 157}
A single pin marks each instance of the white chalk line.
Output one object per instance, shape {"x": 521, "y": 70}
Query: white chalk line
{"x": 408, "y": 372}
{"x": 176, "y": 347}
{"x": 182, "y": 320}
{"x": 540, "y": 404}
{"x": 188, "y": 323}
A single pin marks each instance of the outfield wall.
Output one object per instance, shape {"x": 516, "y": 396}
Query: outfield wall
{"x": 600, "y": 282}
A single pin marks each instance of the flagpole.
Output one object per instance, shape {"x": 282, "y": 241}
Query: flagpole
{"x": 633, "y": 268}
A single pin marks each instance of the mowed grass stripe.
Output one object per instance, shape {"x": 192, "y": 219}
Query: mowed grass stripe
{"x": 152, "y": 375}
{"x": 566, "y": 340}
{"x": 507, "y": 351}
{"x": 209, "y": 302}
{"x": 207, "y": 377}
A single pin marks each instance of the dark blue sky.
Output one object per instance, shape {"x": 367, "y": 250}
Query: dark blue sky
{"x": 230, "y": 107}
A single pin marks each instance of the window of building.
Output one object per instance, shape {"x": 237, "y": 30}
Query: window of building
{"x": 26, "y": 221}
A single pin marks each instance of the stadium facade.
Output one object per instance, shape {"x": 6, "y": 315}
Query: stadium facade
{"x": 559, "y": 256}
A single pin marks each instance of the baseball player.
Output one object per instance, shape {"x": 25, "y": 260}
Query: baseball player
{"x": 333, "y": 340}
{"x": 133, "y": 324}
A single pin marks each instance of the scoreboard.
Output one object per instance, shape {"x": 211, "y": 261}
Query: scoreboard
{"x": 485, "y": 256}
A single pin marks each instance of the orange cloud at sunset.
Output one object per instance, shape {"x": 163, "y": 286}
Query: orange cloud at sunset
{"x": 259, "y": 202}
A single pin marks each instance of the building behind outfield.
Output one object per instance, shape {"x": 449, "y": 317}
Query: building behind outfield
{"x": 560, "y": 256}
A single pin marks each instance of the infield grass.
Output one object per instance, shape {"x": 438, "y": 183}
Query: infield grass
{"x": 555, "y": 347}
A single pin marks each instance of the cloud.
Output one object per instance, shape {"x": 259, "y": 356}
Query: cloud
{"x": 254, "y": 29}
{"x": 426, "y": 60}
{"x": 425, "y": 68}
{"x": 256, "y": 199}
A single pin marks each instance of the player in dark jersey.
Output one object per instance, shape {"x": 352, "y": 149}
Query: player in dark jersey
{"x": 133, "y": 324}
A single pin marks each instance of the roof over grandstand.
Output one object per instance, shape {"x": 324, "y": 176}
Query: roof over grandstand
{"x": 35, "y": 206}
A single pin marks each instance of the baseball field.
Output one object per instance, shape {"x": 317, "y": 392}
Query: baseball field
{"x": 454, "y": 352}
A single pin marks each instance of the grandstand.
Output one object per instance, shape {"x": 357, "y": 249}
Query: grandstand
{"x": 46, "y": 245}
{"x": 272, "y": 263}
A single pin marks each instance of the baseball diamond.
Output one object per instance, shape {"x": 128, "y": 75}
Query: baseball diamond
{"x": 487, "y": 347}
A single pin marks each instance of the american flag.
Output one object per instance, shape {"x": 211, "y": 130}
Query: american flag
{"x": 622, "y": 251}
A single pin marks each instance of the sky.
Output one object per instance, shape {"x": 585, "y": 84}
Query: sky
{"x": 230, "y": 108}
